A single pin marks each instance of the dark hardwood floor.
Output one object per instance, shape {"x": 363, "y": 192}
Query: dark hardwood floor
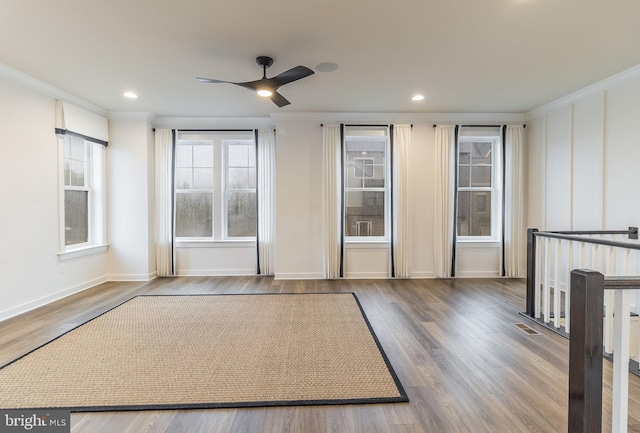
{"x": 453, "y": 344}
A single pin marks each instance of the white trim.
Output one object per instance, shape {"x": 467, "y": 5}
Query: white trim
{"x": 131, "y": 277}
{"x": 210, "y": 273}
{"x": 600, "y": 86}
{"x": 477, "y": 274}
{"x": 132, "y": 115}
{"x": 367, "y": 276}
{"x": 213, "y": 122}
{"x": 207, "y": 243}
{"x": 47, "y": 89}
{"x": 40, "y": 302}
{"x": 81, "y": 252}
{"x": 304, "y": 276}
{"x": 423, "y": 274}
{"x": 354, "y": 244}
{"x": 385, "y": 118}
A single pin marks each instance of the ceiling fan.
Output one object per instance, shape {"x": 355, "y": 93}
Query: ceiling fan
{"x": 267, "y": 87}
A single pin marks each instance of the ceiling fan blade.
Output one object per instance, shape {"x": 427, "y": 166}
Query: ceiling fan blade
{"x": 211, "y": 80}
{"x": 279, "y": 100}
{"x": 291, "y": 75}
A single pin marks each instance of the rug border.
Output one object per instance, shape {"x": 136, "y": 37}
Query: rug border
{"x": 402, "y": 398}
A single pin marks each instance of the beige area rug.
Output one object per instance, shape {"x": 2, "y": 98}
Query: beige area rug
{"x": 208, "y": 351}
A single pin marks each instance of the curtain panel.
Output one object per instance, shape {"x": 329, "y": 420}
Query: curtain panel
{"x": 515, "y": 231}
{"x": 266, "y": 161}
{"x": 331, "y": 197}
{"x": 444, "y": 203}
{"x": 401, "y": 163}
{"x": 164, "y": 202}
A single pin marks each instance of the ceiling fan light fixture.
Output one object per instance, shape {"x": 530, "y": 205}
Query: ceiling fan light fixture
{"x": 265, "y": 93}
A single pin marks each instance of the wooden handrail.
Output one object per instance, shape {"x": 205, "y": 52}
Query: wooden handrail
{"x": 533, "y": 234}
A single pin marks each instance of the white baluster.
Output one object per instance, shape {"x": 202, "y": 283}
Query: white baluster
{"x": 567, "y": 293}
{"x": 556, "y": 288}
{"x": 621, "y": 325}
{"x": 546, "y": 288}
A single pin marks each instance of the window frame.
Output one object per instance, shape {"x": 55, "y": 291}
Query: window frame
{"x": 95, "y": 186}
{"x": 219, "y": 212}
{"x": 363, "y": 133}
{"x": 495, "y": 190}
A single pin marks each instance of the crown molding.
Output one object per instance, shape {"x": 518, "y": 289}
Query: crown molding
{"x": 213, "y": 122}
{"x": 132, "y": 115}
{"x": 453, "y": 118}
{"x": 600, "y": 86}
{"x": 47, "y": 89}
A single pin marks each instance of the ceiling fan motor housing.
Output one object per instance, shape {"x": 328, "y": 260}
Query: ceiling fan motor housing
{"x": 264, "y": 61}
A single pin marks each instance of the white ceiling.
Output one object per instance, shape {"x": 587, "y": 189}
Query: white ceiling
{"x": 465, "y": 56}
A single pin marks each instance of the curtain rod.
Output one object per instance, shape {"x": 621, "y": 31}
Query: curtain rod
{"x": 480, "y": 126}
{"x": 374, "y": 126}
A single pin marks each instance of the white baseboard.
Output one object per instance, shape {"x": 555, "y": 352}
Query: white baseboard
{"x": 32, "y": 305}
{"x": 423, "y": 274}
{"x": 478, "y": 274}
{"x": 214, "y": 273}
{"x": 307, "y": 276}
{"x": 131, "y": 277}
{"x": 367, "y": 276}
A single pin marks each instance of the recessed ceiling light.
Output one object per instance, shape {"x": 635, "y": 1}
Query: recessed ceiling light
{"x": 265, "y": 93}
{"x": 130, "y": 95}
{"x": 417, "y": 98}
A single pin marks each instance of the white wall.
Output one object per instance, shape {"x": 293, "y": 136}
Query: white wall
{"x": 31, "y": 273}
{"x": 130, "y": 187}
{"x": 583, "y": 157}
{"x": 298, "y": 199}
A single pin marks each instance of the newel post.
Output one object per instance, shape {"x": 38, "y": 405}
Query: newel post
{"x": 531, "y": 272}
{"x": 585, "y": 352}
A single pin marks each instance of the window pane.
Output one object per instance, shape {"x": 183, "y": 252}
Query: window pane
{"x": 203, "y": 156}
{"x": 76, "y": 217}
{"x": 464, "y": 153}
{"x": 242, "y": 178}
{"x": 464, "y": 176}
{"x": 481, "y": 176}
{"x": 474, "y": 213}
{"x": 203, "y": 178}
{"x": 239, "y": 155}
{"x": 481, "y": 152}
{"x": 241, "y": 214}
{"x": 184, "y": 155}
{"x": 364, "y": 213}
{"x": 184, "y": 178}
{"x": 194, "y": 215}
{"x": 353, "y": 181}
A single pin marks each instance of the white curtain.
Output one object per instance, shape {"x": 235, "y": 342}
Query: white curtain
{"x": 332, "y": 221}
{"x": 515, "y": 231}
{"x": 266, "y": 199}
{"x": 164, "y": 202}
{"x": 401, "y": 164}
{"x": 444, "y": 205}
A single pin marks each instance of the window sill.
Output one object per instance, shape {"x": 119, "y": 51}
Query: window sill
{"x": 478, "y": 243}
{"x": 366, "y": 244}
{"x": 206, "y": 243}
{"x": 82, "y": 252}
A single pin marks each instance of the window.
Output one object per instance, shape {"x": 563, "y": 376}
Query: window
{"x": 82, "y": 209}
{"x": 478, "y": 204}
{"x": 366, "y": 190}
{"x": 215, "y": 186}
